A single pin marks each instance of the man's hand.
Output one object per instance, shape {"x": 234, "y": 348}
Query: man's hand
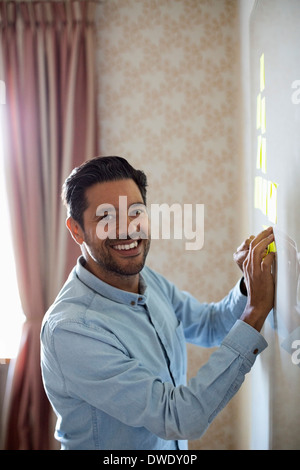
{"x": 239, "y": 257}
{"x": 242, "y": 252}
{"x": 259, "y": 280}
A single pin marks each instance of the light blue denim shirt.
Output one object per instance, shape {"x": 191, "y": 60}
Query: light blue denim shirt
{"x": 114, "y": 362}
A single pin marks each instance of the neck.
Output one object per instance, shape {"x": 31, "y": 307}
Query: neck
{"x": 129, "y": 283}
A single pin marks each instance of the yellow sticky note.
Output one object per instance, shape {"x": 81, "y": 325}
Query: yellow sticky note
{"x": 263, "y": 115}
{"x": 264, "y": 202}
{"x": 258, "y": 111}
{"x": 259, "y": 152}
{"x": 272, "y": 248}
{"x": 263, "y": 161}
{"x": 272, "y": 202}
{"x": 262, "y": 72}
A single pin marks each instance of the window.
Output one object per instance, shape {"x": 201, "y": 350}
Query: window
{"x": 11, "y": 316}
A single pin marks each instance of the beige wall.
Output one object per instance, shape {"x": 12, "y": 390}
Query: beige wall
{"x": 169, "y": 101}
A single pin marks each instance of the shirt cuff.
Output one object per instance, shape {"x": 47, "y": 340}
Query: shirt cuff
{"x": 245, "y": 340}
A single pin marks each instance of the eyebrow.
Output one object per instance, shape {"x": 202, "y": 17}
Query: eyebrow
{"x": 138, "y": 203}
{"x": 108, "y": 210}
{"x": 116, "y": 210}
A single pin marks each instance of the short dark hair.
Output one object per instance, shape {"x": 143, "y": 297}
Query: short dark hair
{"x": 97, "y": 170}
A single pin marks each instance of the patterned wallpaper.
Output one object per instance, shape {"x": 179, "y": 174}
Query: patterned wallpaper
{"x": 168, "y": 101}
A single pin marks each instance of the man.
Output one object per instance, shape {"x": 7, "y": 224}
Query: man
{"x": 113, "y": 342}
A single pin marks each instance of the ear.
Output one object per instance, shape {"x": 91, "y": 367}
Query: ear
{"x": 75, "y": 230}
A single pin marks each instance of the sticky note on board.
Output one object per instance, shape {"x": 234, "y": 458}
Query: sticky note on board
{"x": 271, "y": 248}
{"x": 263, "y": 115}
{"x": 261, "y": 157}
{"x": 272, "y": 202}
{"x": 264, "y": 197}
{"x": 259, "y": 153}
{"x": 258, "y": 111}
{"x": 263, "y": 160}
{"x": 262, "y": 72}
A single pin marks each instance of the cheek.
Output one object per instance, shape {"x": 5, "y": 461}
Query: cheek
{"x": 139, "y": 228}
{"x": 106, "y": 230}
{"x": 91, "y": 237}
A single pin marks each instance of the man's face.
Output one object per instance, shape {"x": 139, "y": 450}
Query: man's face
{"x": 120, "y": 255}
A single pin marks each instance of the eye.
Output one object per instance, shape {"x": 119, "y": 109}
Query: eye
{"x": 106, "y": 216}
{"x": 105, "y": 212}
{"x": 137, "y": 210}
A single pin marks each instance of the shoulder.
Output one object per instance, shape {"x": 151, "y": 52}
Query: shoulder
{"x": 70, "y": 304}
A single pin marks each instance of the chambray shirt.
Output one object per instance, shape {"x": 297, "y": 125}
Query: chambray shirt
{"x": 114, "y": 362}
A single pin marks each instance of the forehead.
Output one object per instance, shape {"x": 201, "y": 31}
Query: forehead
{"x": 109, "y": 192}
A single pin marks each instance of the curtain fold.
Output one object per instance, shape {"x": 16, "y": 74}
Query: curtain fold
{"x": 47, "y": 52}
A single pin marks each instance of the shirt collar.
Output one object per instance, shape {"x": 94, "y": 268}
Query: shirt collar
{"x": 108, "y": 291}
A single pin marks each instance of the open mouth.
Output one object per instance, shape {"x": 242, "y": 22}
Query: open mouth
{"x": 127, "y": 247}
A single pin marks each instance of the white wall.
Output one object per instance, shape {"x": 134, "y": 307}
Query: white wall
{"x": 275, "y": 33}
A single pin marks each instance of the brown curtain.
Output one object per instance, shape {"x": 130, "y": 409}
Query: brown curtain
{"x": 47, "y": 53}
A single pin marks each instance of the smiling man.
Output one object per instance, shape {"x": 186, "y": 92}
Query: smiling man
{"x": 117, "y": 260}
{"x": 113, "y": 343}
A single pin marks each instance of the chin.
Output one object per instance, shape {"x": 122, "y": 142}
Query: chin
{"x": 129, "y": 270}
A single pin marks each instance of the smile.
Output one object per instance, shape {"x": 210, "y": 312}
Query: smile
{"x": 126, "y": 246}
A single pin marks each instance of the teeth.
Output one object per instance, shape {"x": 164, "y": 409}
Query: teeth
{"x": 126, "y": 247}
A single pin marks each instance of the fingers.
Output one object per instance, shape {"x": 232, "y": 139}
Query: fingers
{"x": 268, "y": 261}
{"x": 249, "y": 240}
{"x": 258, "y": 249}
{"x": 246, "y": 243}
{"x": 259, "y": 279}
{"x": 261, "y": 236}
{"x": 242, "y": 251}
{"x": 259, "y": 245}
{"x": 254, "y": 250}
{"x": 252, "y": 240}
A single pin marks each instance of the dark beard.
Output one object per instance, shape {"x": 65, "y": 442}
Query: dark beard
{"x": 106, "y": 262}
{"x": 111, "y": 266}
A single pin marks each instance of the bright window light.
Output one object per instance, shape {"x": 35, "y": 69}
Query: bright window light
{"x": 11, "y": 315}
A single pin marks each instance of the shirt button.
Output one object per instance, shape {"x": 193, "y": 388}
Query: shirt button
{"x": 255, "y": 351}
{"x": 132, "y": 302}
{"x": 140, "y": 299}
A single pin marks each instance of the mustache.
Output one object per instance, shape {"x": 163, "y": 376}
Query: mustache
{"x": 141, "y": 235}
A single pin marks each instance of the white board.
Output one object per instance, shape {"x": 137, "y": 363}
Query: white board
{"x": 275, "y": 180}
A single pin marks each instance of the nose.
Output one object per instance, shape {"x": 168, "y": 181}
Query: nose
{"x": 134, "y": 228}
{"x": 122, "y": 226}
